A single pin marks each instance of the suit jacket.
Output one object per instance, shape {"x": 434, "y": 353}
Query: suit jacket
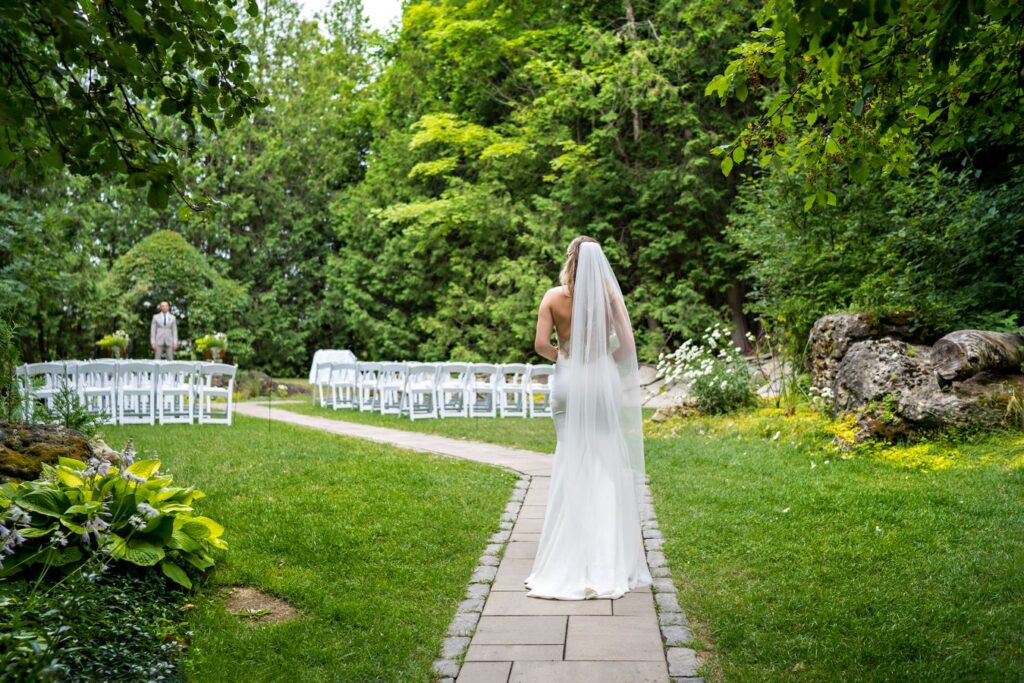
{"x": 163, "y": 331}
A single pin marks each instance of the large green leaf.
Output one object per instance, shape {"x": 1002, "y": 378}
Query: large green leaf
{"x": 144, "y": 468}
{"x": 45, "y": 501}
{"x": 71, "y": 463}
{"x": 142, "y": 553}
{"x": 175, "y": 573}
{"x": 181, "y": 541}
{"x": 58, "y": 557}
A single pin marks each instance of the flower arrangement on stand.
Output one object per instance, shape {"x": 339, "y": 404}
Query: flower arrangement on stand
{"x": 215, "y": 344}
{"x": 713, "y": 371}
{"x": 115, "y": 343}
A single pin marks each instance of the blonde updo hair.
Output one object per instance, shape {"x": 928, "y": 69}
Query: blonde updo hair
{"x": 572, "y": 255}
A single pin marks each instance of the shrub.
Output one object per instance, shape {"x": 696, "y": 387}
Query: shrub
{"x": 713, "y": 371}
{"x": 69, "y": 411}
{"x": 122, "y": 511}
{"x": 91, "y": 626}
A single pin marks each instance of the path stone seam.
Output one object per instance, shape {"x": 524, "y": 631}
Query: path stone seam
{"x": 675, "y": 628}
{"x": 467, "y": 617}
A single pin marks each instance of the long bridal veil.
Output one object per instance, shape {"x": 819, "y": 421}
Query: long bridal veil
{"x": 591, "y": 546}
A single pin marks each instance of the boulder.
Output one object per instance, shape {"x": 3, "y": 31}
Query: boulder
{"x": 871, "y": 367}
{"x": 874, "y": 369}
{"x": 25, "y": 447}
{"x": 832, "y": 336}
{"x": 966, "y": 353}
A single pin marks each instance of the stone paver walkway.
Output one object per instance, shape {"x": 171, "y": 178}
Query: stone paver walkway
{"x": 529, "y": 640}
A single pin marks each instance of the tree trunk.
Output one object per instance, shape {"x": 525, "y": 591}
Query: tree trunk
{"x": 740, "y": 325}
{"x": 965, "y": 353}
{"x": 631, "y": 34}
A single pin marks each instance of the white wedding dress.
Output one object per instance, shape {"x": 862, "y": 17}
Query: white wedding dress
{"x": 591, "y": 545}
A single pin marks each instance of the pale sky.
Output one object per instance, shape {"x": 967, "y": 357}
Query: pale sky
{"x": 380, "y": 13}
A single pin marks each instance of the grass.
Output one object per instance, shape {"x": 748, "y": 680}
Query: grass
{"x": 373, "y": 545}
{"x": 798, "y": 562}
{"x": 898, "y": 563}
{"x": 535, "y": 434}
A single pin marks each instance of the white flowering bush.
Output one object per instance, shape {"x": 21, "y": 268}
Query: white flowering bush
{"x": 713, "y": 372}
{"x": 120, "y": 511}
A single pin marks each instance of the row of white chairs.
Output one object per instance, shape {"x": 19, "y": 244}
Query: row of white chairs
{"x": 135, "y": 391}
{"x": 437, "y": 390}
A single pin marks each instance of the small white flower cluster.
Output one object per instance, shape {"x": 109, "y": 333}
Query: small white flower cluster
{"x": 821, "y": 397}
{"x": 694, "y": 360}
{"x": 712, "y": 369}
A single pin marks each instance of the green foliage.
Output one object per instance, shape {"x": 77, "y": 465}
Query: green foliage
{"x": 217, "y": 340}
{"x": 10, "y": 392}
{"x": 937, "y": 244}
{"x": 47, "y": 271}
{"x": 866, "y": 89}
{"x": 68, "y": 410}
{"x": 528, "y": 128}
{"x": 411, "y": 195}
{"x": 93, "y": 625}
{"x": 85, "y": 81}
{"x": 164, "y": 266}
{"x": 121, "y": 510}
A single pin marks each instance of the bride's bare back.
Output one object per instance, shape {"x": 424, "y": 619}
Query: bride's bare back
{"x": 555, "y": 314}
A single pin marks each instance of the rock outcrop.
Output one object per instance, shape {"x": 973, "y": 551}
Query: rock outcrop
{"x": 878, "y": 369}
{"x": 25, "y": 447}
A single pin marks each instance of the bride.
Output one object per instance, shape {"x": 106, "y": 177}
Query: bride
{"x": 590, "y": 546}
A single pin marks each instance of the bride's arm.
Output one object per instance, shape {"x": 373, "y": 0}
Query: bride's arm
{"x": 545, "y": 325}
{"x": 623, "y": 330}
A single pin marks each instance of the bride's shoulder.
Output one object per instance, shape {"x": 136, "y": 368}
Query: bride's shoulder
{"x": 556, "y": 291}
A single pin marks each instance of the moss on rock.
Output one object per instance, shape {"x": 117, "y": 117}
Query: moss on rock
{"x": 24, "y": 448}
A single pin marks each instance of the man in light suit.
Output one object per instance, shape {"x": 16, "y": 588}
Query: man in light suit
{"x": 163, "y": 332}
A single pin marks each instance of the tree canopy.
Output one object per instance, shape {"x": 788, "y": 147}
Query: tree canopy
{"x": 96, "y": 86}
{"x": 164, "y": 267}
{"x": 410, "y": 195}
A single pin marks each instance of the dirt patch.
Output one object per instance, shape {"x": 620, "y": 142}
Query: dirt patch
{"x": 253, "y": 605}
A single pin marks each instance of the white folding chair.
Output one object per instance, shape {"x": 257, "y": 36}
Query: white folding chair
{"x": 538, "y": 390}
{"x": 452, "y": 400}
{"x": 369, "y": 386}
{"x": 96, "y": 383}
{"x": 176, "y": 392}
{"x": 322, "y": 382}
{"x": 512, "y": 389}
{"x": 483, "y": 390}
{"x": 392, "y": 388}
{"x": 344, "y": 383}
{"x": 421, "y": 390}
{"x": 135, "y": 387}
{"x": 43, "y": 381}
{"x": 208, "y": 391}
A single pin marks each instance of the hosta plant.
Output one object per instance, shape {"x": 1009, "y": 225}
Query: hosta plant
{"x": 120, "y": 511}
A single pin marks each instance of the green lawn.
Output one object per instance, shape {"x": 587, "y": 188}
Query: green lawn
{"x": 862, "y": 568}
{"x": 373, "y": 545}
{"x": 902, "y": 564}
{"x": 535, "y": 434}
